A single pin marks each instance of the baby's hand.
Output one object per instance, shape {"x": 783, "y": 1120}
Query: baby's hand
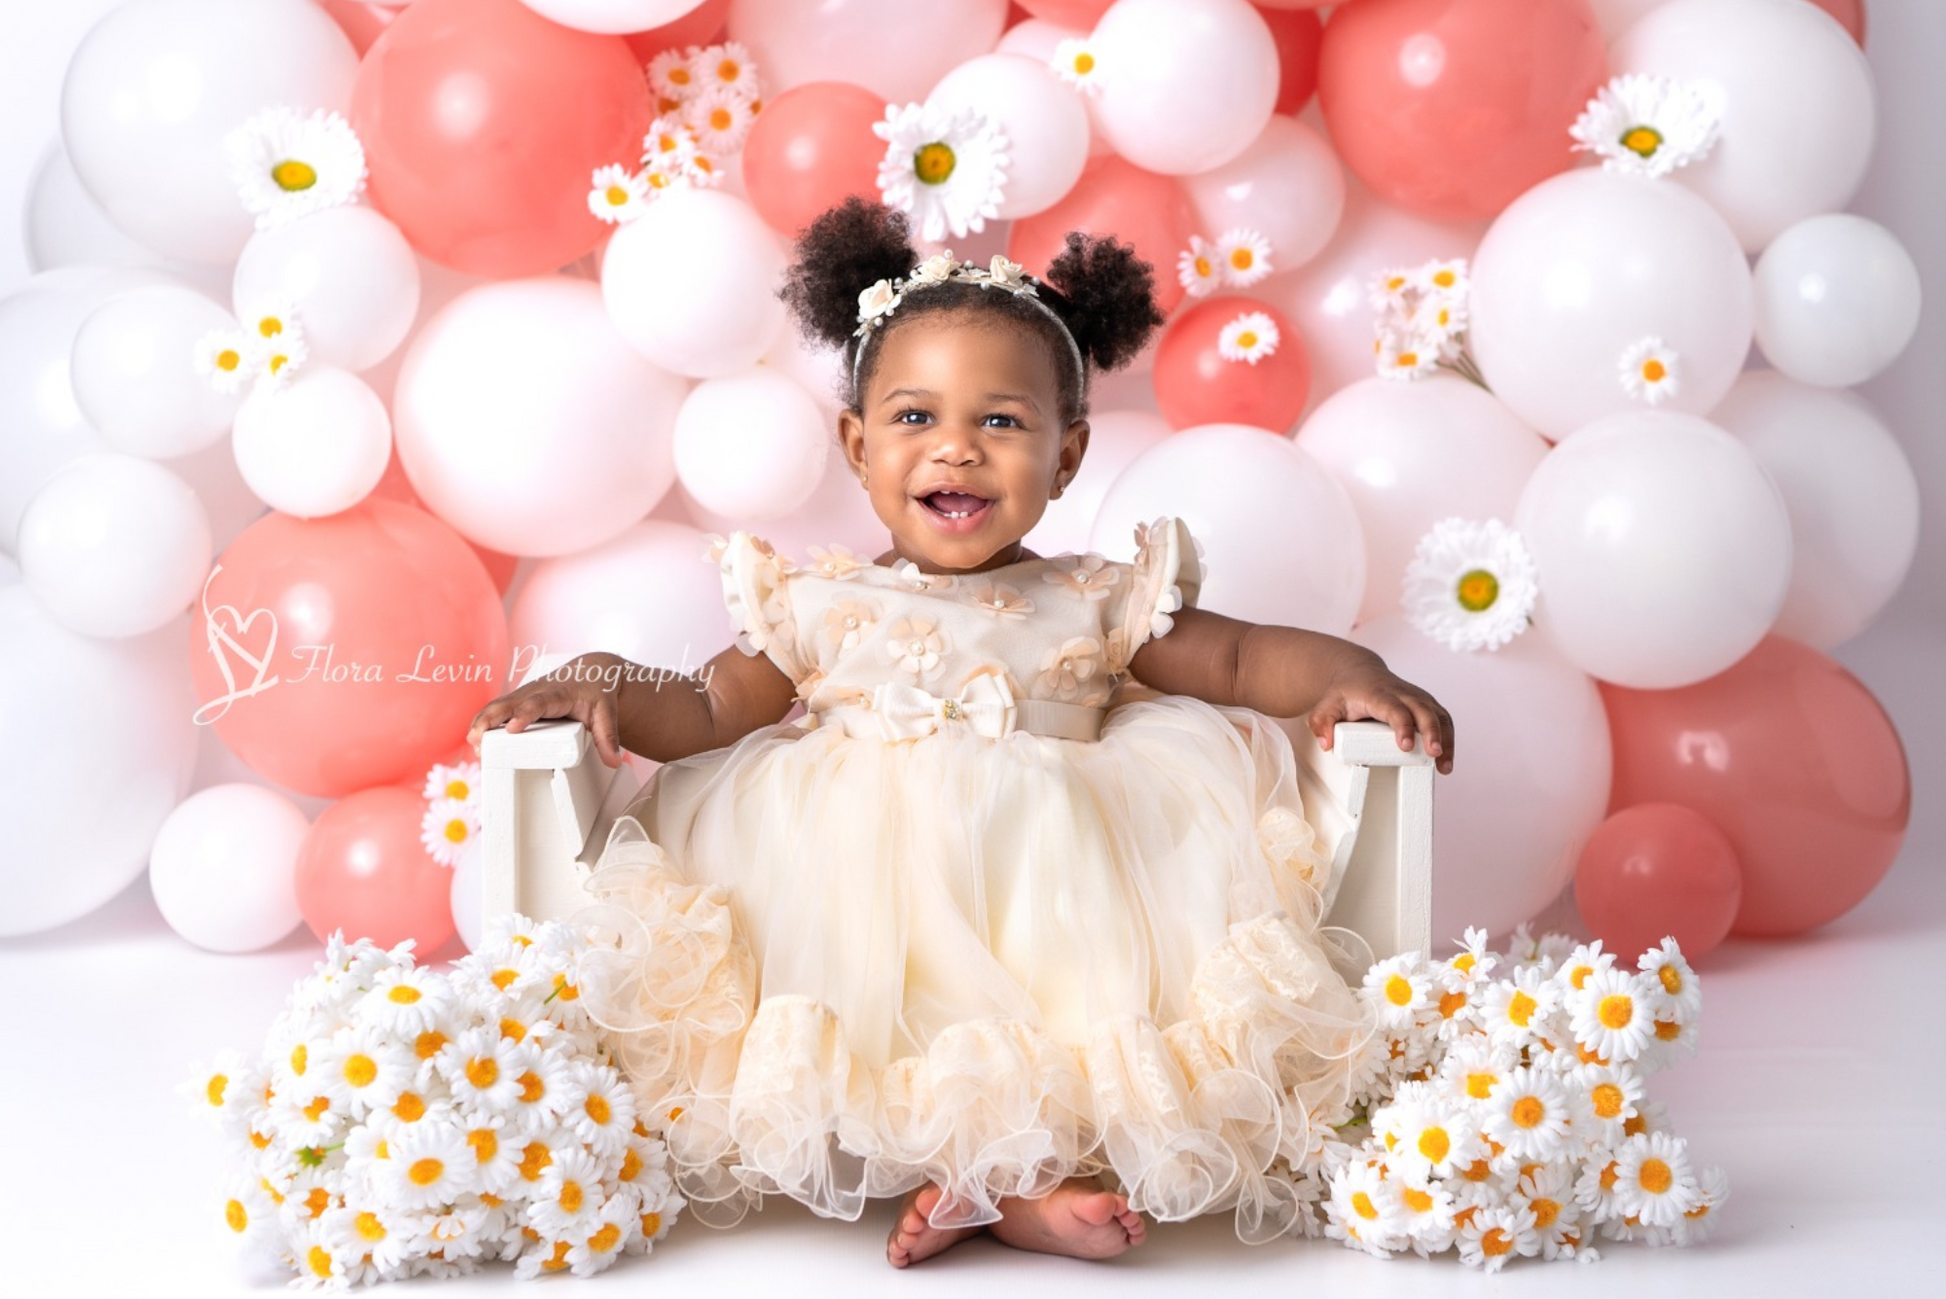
{"x": 1371, "y": 690}
{"x": 588, "y": 697}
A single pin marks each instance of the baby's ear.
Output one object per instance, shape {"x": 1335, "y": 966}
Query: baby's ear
{"x": 851, "y": 440}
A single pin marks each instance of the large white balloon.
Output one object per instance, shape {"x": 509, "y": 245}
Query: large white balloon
{"x": 1531, "y": 774}
{"x": 751, "y": 446}
{"x": 1117, "y": 438}
{"x": 1287, "y": 186}
{"x": 1411, "y": 454}
{"x": 648, "y": 595}
{"x": 1186, "y": 85}
{"x": 525, "y": 421}
{"x": 692, "y": 283}
{"x": 349, "y": 274}
{"x": 1587, "y": 264}
{"x": 1663, "y": 547}
{"x": 1837, "y": 300}
{"x": 315, "y": 447}
{"x": 64, "y": 226}
{"x": 156, "y": 86}
{"x": 1799, "y": 117}
{"x": 113, "y": 750}
{"x": 870, "y": 43}
{"x": 114, "y": 545}
{"x": 1851, "y": 493}
{"x": 134, "y": 374}
{"x": 223, "y": 868}
{"x": 1041, "y": 116}
{"x": 1281, "y": 538}
{"x": 612, "y": 16}
{"x": 41, "y": 424}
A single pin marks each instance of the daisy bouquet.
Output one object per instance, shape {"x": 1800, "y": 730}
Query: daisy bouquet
{"x": 1504, "y": 1114}
{"x": 1422, "y": 318}
{"x": 402, "y": 1120}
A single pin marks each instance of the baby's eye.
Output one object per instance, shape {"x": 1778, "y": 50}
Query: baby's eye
{"x": 910, "y": 417}
{"x": 1007, "y": 421}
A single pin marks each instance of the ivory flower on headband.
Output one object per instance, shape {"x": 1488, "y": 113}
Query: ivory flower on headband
{"x": 883, "y": 298}
{"x": 947, "y": 169}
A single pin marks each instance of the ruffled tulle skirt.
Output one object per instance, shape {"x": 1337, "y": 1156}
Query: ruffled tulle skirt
{"x": 842, "y": 968}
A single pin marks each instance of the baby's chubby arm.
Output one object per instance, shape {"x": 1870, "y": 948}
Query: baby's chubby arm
{"x": 653, "y": 712}
{"x": 1286, "y": 672}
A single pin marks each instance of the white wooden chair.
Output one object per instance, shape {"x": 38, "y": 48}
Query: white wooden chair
{"x": 549, "y": 803}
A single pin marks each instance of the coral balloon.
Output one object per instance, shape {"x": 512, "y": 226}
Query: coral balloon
{"x": 361, "y": 22}
{"x": 363, "y": 870}
{"x": 1196, "y": 384}
{"x": 482, "y": 122}
{"x": 395, "y": 486}
{"x": 1797, "y": 763}
{"x": 1113, "y": 197}
{"x": 1658, "y": 870}
{"x": 809, "y": 149}
{"x": 1298, "y": 35}
{"x": 702, "y": 25}
{"x": 338, "y": 653}
{"x": 1451, "y": 110}
{"x": 1078, "y": 14}
{"x": 1850, "y": 15}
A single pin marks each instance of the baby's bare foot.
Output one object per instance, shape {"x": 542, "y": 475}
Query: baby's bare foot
{"x": 914, "y": 1238}
{"x": 1077, "y": 1219}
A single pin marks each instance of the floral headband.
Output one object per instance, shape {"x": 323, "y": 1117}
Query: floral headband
{"x": 884, "y": 297}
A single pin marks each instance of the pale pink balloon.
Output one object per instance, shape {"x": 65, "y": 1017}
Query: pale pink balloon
{"x": 1410, "y": 454}
{"x": 870, "y": 43}
{"x": 1186, "y": 84}
{"x": 1287, "y": 186}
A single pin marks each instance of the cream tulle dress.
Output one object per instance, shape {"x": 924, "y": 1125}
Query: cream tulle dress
{"x": 990, "y": 915}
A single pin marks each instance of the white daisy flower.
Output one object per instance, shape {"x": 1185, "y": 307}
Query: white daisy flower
{"x": 1399, "y": 987}
{"x": 224, "y": 358}
{"x": 322, "y": 1262}
{"x": 569, "y": 1195}
{"x": 303, "y": 1113}
{"x": 448, "y": 828}
{"x": 1650, "y": 371}
{"x": 276, "y": 338}
{"x": 1364, "y": 1210}
{"x": 702, "y": 171}
{"x": 1250, "y": 337}
{"x": 497, "y": 1152}
{"x": 1474, "y": 1066}
{"x": 1516, "y": 1007}
{"x": 672, "y": 79}
{"x": 545, "y": 1087}
{"x": 668, "y": 146}
{"x": 618, "y": 195}
{"x": 1439, "y": 324}
{"x": 459, "y": 780}
{"x": 1429, "y": 1221}
{"x": 947, "y": 169}
{"x": 287, "y": 165}
{"x": 365, "y": 1069}
{"x": 1612, "y": 1014}
{"x": 1674, "y": 1038}
{"x": 1447, "y": 279}
{"x": 1408, "y": 357}
{"x": 597, "y": 1107}
{"x": 1548, "y": 1192}
{"x": 725, "y": 65}
{"x": 405, "y": 1002}
{"x": 1712, "y": 1189}
{"x": 1583, "y": 961}
{"x": 1493, "y": 1235}
{"x": 1653, "y": 1181}
{"x": 1392, "y": 291}
{"x": 536, "y": 1150}
{"x": 721, "y": 118}
{"x": 1606, "y": 1097}
{"x": 1529, "y": 1113}
{"x": 250, "y": 1213}
{"x": 1668, "y": 970}
{"x": 219, "y": 1089}
{"x": 1075, "y": 63}
{"x": 617, "y": 1222}
{"x": 1243, "y": 257}
{"x": 426, "y": 1165}
{"x": 454, "y": 1231}
{"x": 384, "y": 1235}
{"x": 483, "y": 1071}
{"x": 1648, "y": 125}
{"x": 1197, "y": 269}
{"x": 1474, "y": 961}
{"x": 1435, "y": 1138}
{"x": 1471, "y": 585}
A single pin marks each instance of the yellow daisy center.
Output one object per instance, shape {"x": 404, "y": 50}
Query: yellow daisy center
{"x": 228, "y": 359}
{"x": 1642, "y": 140}
{"x": 424, "y": 1172}
{"x": 1635, "y": 1127}
{"x": 631, "y": 1165}
{"x": 214, "y": 1092}
{"x": 1408, "y": 359}
{"x": 604, "y": 1240}
{"x": 315, "y": 1110}
{"x": 1478, "y": 1171}
{"x": 1521, "y": 1009}
{"x": 720, "y": 119}
{"x": 513, "y": 1029}
{"x": 665, "y": 105}
{"x": 678, "y": 76}
{"x": 483, "y": 1073}
{"x": 429, "y": 1044}
{"x": 292, "y": 175}
{"x": 409, "y": 1108}
{"x": 1528, "y": 1111}
{"x": 1615, "y": 1011}
{"x": 533, "y": 1160}
{"x": 1579, "y": 975}
{"x": 1671, "y": 979}
{"x": 1247, "y": 340}
{"x": 933, "y": 163}
{"x": 598, "y": 1110}
{"x": 1395, "y": 283}
{"x": 571, "y": 1196}
{"x": 456, "y": 830}
{"x": 1362, "y": 1205}
{"x": 560, "y": 1258}
{"x": 615, "y": 196}
{"x": 1608, "y": 1100}
{"x": 658, "y": 180}
{"x": 1545, "y": 1212}
{"x": 1653, "y": 371}
{"x": 403, "y": 994}
{"x": 300, "y": 1059}
{"x": 1398, "y": 990}
{"x": 564, "y": 990}
{"x": 270, "y": 327}
{"x": 728, "y": 70}
{"x": 1419, "y": 1201}
{"x": 1667, "y": 1030}
{"x": 1477, "y": 591}
{"x": 651, "y": 1224}
{"x": 360, "y": 1070}
{"x": 236, "y": 1216}
{"x": 1203, "y": 268}
{"x": 1242, "y": 259}
{"x": 318, "y": 1201}
{"x": 1084, "y": 63}
{"x": 1445, "y": 279}
{"x": 369, "y": 1227}
{"x": 531, "y": 1087}
{"x": 458, "y": 789}
{"x": 319, "y": 1261}
{"x": 1434, "y": 1144}
{"x": 1496, "y": 1242}
{"x": 1464, "y": 962}
{"x": 1478, "y": 1085}
{"x": 502, "y": 978}
{"x": 278, "y": 362}
{"x": 1451, "y": 1003}
{"x": 1655, "y": 1177}
{"x": 485, "y": 1144}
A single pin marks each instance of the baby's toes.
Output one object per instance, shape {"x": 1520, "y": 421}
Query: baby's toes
{"x": 1099, "y": 1209}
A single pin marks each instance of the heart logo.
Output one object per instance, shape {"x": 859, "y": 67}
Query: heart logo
{"x": 225, "y": 632}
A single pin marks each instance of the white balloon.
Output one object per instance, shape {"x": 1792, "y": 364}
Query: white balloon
{"x": 41, "y": 424}
{"x": 1664, "y": 549}
{"x": 134, "y": 373}
{"x": 213, "y": 475}
{"x": 692, "y": 283}
{"x": 348, "y": 272}
{"x": 1041, "y": 116}
{"x": 156, "y": 86}
{"x": 525, "y": 421}
{"x": 223, "y": 868}
{"x": 1585, "y": 265}
{"x": 1035, "y": 38}
{"x": 1116, "y": 439}
{"x": 839, "y": 511}
{"x": 1287, "y": 186}
{"x": 1411, "y": 454}
{"x": 611, "y": 16}
{"x": 1799, "y": 117}
{"x": 1837, "y": 300}
{"x": 1531, "y": 776}
{"x": 870, "y": 43}
{"x": 113, "y": 750}
{"x": 316, "y": 446}
{"x": 1282, "y": 539}
{"x": 648, "y": 595}
{"x": 1186, "y": 85}
{"x": 114, "y": 545}
{"x": 64, "y": 226}
{"x": 1852, "y": 496}
{"x": 751, "y": 446}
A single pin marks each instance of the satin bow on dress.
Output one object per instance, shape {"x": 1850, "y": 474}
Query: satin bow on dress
{"x": 985, "y": 704}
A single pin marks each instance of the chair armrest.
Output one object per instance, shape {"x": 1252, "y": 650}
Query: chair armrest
{"x": 549, "y": 801}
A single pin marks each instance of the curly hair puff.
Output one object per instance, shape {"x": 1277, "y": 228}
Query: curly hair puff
{"x": 1098, "y": 287}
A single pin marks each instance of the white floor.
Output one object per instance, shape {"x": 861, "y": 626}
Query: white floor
{"x": 1816, "y": 1088}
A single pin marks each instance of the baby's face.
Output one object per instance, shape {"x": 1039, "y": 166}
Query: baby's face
{"x": 961, "y": 438}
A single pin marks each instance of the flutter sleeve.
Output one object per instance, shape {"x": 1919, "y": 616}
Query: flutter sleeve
{"x": 756, "y": 590}
{"x": 1167, "y": 576}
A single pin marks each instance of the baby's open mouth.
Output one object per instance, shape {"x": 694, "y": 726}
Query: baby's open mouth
{"x": 955, "y": 505}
